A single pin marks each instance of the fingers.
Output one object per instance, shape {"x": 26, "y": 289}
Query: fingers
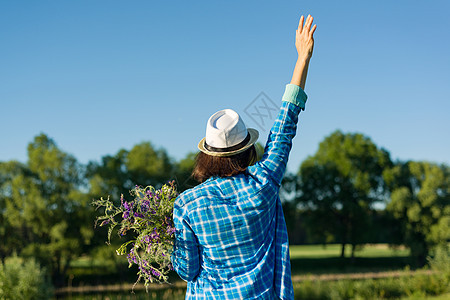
{"x": 300, "y": 24}
{"x": 307, "y": 25}
{"x": 312, "y": 31}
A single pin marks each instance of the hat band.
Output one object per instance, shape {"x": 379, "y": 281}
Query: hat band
{"x": 228, "y": 149}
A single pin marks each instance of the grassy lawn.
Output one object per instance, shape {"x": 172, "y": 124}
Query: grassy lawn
{"x": 440, "y": 297}
{"x": 318, "y": 259}
{"x": 305, "y": 260}
{"x": 334, "y": 250}
{"x": 302, "y": 251}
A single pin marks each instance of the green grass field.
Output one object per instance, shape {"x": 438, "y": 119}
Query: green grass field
{"x": 307, "y": 261}
{"x": 334, "y": 250}
{"x": 318, "y": 259}
{"x": 299, "y": 252}
{"x": 445, "y": 296}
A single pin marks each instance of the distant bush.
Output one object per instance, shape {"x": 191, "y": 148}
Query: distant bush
{"x": 387, "y": 288}
{"x": 23, "y": 279}
{"x": 441, "y": 259}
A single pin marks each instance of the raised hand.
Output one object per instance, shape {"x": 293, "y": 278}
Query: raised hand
{"x": 304, "y": 40}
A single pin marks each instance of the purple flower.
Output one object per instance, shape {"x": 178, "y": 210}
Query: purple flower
{"x": 154, "y": 236}
{"x": 138, "y": 215}
{"x": 132, "y": 256}
{"x": 171, "y": 230}
{"x": 146, "y": 239}
{"x": 145, "y": 206}
{"x": 156, "y": 273}
{"x": 153, "y": 233}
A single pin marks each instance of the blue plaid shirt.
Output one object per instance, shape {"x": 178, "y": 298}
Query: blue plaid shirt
{"x": 231, "y": 240}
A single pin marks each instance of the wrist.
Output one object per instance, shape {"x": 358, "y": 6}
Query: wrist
{"x": 302, "y": 59}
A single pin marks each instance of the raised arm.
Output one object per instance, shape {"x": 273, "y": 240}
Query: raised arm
{"x": 279, "y": 143}
{"x": 304, "y": 42}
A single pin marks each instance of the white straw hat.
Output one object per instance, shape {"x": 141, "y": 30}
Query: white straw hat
{"x": 226, "y": 134}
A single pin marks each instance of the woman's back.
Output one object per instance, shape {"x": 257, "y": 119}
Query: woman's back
{"x": 235, "y": 229}
{"x": 231, "y": 239}
{"x": 232, "y": 229}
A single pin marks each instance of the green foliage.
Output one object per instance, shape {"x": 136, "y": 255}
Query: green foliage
{"x": 118, "y": 174}
{"x": 183, "y": 171}
{"x": 110, "y": 176}
{"x": 339, "y": 186}
{"x": 415, "y": 286}
{"x": 23, "y": 279}
{"x": 148, "y": 217}
{"x": 259, "y": 150}
{"x": 104, "y": 257}
{"x": 420, "y": 201}
{"x": 43, "y": 206}
{"x": 148, "y": 166}
{"x": 158, "y": 294}
{"x": 441, "y": 260}
{"x": 388, "y": 288}
{"x": 45, "y": 203}
{"x": 9, "y": 171}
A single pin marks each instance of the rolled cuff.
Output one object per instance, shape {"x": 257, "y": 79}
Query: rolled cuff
{"x": 295, "y": 94}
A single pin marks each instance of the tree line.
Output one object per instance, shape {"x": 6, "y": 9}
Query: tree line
{"x": 349, "y": 192}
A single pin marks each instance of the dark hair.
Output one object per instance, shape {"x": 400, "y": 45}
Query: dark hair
{"x": 207, "y": 166}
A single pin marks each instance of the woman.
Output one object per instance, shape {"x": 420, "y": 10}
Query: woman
{"x": 231, "y": 239}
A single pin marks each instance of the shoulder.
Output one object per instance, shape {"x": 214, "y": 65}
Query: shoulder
{"x": 194, "y": 196}
{"x": 260, "y": 174}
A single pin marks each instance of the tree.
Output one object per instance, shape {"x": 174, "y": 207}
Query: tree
{"x": 9, "y": 235}
{"x": 149, "y": 166}
{"x": 110, "y": 176}
{"x": 339, "y": 186}
{"x": 45, "y": 207}
{"x": 420, "y": 201}
{"x": 142, "y": 165}
{"x": 183, "y": 171}
{"x": 117, "y": 174}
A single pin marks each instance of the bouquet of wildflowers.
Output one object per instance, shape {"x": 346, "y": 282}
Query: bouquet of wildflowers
{"x": 149, "y": 218}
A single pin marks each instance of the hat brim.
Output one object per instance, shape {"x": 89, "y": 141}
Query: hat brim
{"x": 254, "y": 135}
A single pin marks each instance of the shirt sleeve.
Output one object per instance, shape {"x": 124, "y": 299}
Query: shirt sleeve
{"x": 295, "y": 95}
{"x": 279, "y": 143}
{"x": 185, "y": 256}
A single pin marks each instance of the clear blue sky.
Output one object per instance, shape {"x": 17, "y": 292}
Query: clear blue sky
{"x": 97, "y": 76}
